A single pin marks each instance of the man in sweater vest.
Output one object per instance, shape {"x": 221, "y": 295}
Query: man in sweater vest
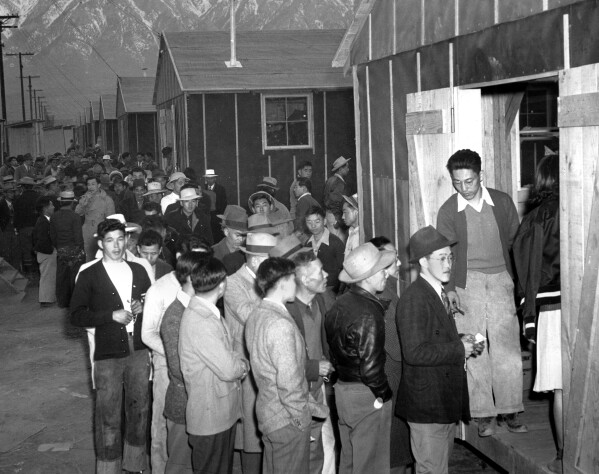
{"x": 484, "y": 222}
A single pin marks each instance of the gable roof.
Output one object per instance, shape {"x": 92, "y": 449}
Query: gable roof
{"x": 341, "y": 58}
{"x": 94, "y": 108}
{"x": 108, "y": 106}
{"x": 270, "y": 60}
{"x": 137, "y": 94}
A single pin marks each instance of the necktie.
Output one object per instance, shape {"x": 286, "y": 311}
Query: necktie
{"x": 445, "y": 301}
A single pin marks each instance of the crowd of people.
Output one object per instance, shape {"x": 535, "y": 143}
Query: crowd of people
{"x": 278, "y": 332}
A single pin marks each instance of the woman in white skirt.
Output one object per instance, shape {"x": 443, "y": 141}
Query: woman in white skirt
{"x": 536, "y": 253}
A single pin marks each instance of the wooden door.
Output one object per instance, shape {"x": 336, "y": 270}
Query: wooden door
{"x": 438, "y": 123}
{"x": 578, "y": 119}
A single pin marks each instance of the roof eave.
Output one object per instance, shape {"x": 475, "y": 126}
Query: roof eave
{"x": 342, "y": 56}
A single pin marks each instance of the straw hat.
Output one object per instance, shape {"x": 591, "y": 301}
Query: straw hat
{"x": 352, "y": 201}
{"x": 129, "y": 226}
{"x": 287, "y": 247}
{"x": 339, "y": 162}
{"x": 364, "y": 261}
{"x": 66, "y": 196}
{"x": 259, "y": 244}
{"x": 28, "y": 180}
{"x": 261, "y": 223}
{"x": 155, "y": 188}
{"x": 235, "y": 218}
{"x": 106, "y": 157}
{"x": 210, "y": 174}
{"x": 269, "y": 182}
{"x": 425, "y": 241}
{"x": 188, "y": 194}
{"x": 175, "y": 177}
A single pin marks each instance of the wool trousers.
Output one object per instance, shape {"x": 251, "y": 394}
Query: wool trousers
{"x": 179, "y": 449}
{"x": 213, "y": 454}
{"x": 287, "y": 450}
{"x": 158, "y": 451}
{"x": 432, "y": 444}
{"x": 47, "y": 264}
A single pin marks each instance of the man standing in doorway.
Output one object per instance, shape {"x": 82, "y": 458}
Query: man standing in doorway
{"x": 484, "y": 222}
{"x": 351, "y": 218}
{"x": 108, "y": 297}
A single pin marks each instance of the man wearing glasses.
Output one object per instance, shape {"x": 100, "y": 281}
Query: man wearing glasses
{"x": 484, "y": 222}
{"x": 433, "y": 394}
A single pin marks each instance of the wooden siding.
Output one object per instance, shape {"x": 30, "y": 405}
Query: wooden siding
{"x": 232, "y": 140}
{"x": 167, "y": 86}
{"x": 420, "y": 23}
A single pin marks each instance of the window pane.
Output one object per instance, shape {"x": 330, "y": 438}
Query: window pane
{"x": 276, "y": 134}
{"x": 298, "y": 133}
{"x": 297, "y": 109}
{"x": 275, "y": 110}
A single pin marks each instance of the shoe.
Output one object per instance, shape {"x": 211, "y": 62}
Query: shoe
{"x": 513, "y": 423}
{"x": 486, "y": 426}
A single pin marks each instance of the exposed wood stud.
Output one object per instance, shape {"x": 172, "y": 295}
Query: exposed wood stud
{"x": 545, "y": 5}
{"x": 294, "y": 167}
{"x": 418, "y": 78}
{"x": 204, "y": 133}
{"x": 456, "y": 9}
{"x": 357, "y": 126}
{"x": 392, "y": 124}
{"x": 394, "y": 27}
{"x": 370, "y": 37}
{"x": 326, "y": 143}
{"x": 451, "y": 95}
{"x": 566, "y": 41}
{"x": 422, "y": 23}
{"x": 237, "y": 153}
{"x": 496, "y": 11}
{"x": 370, "y": 151}
{"x": 269, "y": 166}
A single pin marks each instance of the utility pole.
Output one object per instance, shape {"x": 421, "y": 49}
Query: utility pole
{"x": 21, "y": 76}
{"x": 3, "y": 25}
{"x": 39, "y": 104}
{"x": 35, "y": 91}
{"x": 30, "y": 96}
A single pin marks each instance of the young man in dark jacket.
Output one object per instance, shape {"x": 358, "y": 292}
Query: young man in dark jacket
{"x": 45, "y": 251}
{"x": 355, "y": 328}
{"x": 433, "y": 392}
{"x": 108, "y": 297}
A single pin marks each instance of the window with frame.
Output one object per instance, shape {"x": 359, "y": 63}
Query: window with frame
{"x": 287, "y": 121}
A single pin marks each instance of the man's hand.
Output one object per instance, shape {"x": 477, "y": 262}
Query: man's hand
{"x": 325, "y": 368}
{"x": 530, "y": 332}
{"x": 121, "y": 316}
{"x": 136, "y": 307}
{"x": 454, "y": 302}
{"x": 468, "y": 341}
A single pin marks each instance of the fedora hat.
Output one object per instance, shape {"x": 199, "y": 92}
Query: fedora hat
{"x": 287, "y": 247}
{"x": 235, "y": 218}
{"x": 28, "y": 180}
{"x": 174, "y": 177}
{"x": 339, "y": 162}
{"x": 210, "y": 174}
{"x": 352, "y": 201}
{"x": 158, "y": 173}
{"x": 364, "y": 261}
{"x": 66, "y": 196}
{"x": 259, "y": 243}
{"x": 188, "y": 194}
{"x": 259, "y": 194}
{"x": 269, "y": 182}
{"x": 107, "y": 157}
{"x": 155, "y": 188}
{"x": 261, "y": 223}
{"x": 425, "y": 241}
{"x": 129, "y": 226}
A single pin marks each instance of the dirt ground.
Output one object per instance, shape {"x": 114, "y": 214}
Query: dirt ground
{"x": 46, "y": 400}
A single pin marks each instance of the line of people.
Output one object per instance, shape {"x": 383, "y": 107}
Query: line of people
{"x": 286, "y": 344}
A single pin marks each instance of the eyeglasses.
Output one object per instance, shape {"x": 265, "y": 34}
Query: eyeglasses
{"x": 444, "y": 259}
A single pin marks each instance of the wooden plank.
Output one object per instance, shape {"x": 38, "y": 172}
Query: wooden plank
{"x": 416, "y": 203}
{"x": 583, "y": 400}
{"x": 580, "y": 110}
{"x": 426, "y": 122}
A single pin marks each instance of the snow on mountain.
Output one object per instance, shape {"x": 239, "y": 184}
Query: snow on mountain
{"x": 81, "y": 45}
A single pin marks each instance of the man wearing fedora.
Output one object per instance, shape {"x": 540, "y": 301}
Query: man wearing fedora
{"x": 240, "y": 301}
{"x": 45, "y": 251}
{"x": 218, "y": 196}
{"x": 189, "y": 218}
{"x": 25, "y": 168}
{"x": 279, "y": 212}
{"x": 303, "y": 170}
{"x": 234, "y": 223}
{"x": 433, "y": 393}
{"x": 9, "y": 240}
{"x": 25, "y": 218}
{"x": 155, "y": 192}
{"x": 334, "y": 189}
{"x": 67, "y": 237}
{"x": 175, "y": 183}
{"x": 355, "y": 328}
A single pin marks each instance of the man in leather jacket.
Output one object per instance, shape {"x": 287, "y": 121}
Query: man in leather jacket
{"x": 355, "y": 328}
